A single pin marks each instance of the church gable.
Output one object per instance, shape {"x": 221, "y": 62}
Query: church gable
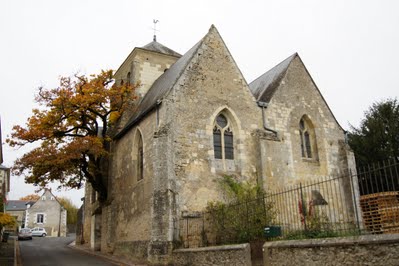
{"x": 298, "y": 89}
{"x": 267, "y": 85}
{"x": 213, "y": 113}
{"x": 212, "y": 75}
{"x": 312, "y": 136}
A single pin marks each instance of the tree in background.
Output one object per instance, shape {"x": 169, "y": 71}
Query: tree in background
{"x": 6, "y": 220}
{"x": 377, "y": 138}
{"x": 72, "y": 210}
{"x": 72, "y": 128}
{"x": 32, "y": 197}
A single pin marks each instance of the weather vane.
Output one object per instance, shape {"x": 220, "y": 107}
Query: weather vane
{"x": 155, "y": 21}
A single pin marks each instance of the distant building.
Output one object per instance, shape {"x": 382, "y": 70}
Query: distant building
{"x": 47, "y": 213}
{"x": 17, "y": 209}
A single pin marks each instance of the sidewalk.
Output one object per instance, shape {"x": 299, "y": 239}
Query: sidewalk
{"x": 7, "y": 252}
{"x": 114, "y": 259}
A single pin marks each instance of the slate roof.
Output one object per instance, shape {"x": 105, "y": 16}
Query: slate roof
{"x": 160, "y": 88}
{"x": 18, "y": 205}
{"x": 266, "y": 85}
{"x": 160, "y": 48}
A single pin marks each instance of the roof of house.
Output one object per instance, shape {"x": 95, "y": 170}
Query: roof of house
{"x": 160, "y": 48}
{"x": 18, "y": 205}
{"x": 266, "y": 85}
{"x": 160, "y": 88}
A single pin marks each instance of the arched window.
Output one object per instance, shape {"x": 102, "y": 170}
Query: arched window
{"x": 308, "y": 138}
{"x": 223, "y": 143}
{"x": 140, "y": 158}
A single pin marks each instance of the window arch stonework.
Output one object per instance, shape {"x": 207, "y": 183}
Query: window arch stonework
{"x": 138, "y": 157}
{"x": 223, "y": 139}
{"x": 307, "y": 137}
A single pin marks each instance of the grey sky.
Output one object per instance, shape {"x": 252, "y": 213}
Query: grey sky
{"x": 349, "y": 47}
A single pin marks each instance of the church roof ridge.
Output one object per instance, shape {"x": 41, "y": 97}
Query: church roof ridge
{"x": 160, "y": 48}
{"x": 266, "y": 84}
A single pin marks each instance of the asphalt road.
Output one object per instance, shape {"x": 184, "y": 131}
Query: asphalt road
{"x": 54, "y": 251}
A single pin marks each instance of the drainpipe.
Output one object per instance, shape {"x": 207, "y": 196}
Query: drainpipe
{"x": 263, "y": 105}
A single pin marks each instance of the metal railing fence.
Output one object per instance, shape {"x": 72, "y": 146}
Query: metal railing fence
{"x": 326, "y": 207}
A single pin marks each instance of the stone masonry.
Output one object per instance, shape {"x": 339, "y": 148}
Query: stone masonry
{"x": 167, "y": 134}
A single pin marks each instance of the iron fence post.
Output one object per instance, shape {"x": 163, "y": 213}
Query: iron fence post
{"x": 303, "y": 207}
{"x": 354, "y": 201}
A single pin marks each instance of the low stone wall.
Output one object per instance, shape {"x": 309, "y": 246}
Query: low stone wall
{"x": 231, "y": 255}
{"x": 361, "y": 250}
{"x": 132, "y": 250}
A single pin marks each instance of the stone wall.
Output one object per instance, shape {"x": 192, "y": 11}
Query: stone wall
{"x": 230, "y": 255}
{"x": 361, "y": 250}
{"x": 87, "y": 212}
{"x": 128, "y": 218}
{"x": 211, "y": 85}
{"x": 298, "y": 96}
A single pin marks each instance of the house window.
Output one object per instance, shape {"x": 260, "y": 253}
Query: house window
{"x": 140, "y": 158}
{"x": 39, "y": 218}
{"x": 223, "y": 143}
{"x": 308, "y": 139}
{"x": 44, "y": 198}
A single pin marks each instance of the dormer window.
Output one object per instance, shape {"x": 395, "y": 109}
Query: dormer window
{"x": 44, "y": 198}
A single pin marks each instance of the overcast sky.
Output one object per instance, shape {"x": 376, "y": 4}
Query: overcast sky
{"x": 351, "y": 48}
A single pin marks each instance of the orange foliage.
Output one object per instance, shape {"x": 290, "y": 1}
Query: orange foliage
{"x": 7, "y": 220}
{"x": 33, "y": 197}
{"x": 72, "y": 127}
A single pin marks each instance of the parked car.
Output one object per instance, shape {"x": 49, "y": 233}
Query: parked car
{"x": 37, "y": 231}
{"x": 25, "y": 233}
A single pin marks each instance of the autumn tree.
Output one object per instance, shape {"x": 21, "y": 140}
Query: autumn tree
{"x": 377, "y": 138}
{"x": 6, "y": 220}
{"x": 32, "y": 197}
{"x": 72, "y": 210}
{"x": 72, "y": 127}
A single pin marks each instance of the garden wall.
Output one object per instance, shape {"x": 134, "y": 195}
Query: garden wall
{"x": 230, "y": 255}
{"x": 360, "y": 250}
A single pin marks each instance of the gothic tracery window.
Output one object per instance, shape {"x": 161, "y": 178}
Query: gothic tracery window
{"x": 223, "y": 142}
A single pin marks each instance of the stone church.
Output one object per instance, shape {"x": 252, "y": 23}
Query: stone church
{"x": 196, "y": 119}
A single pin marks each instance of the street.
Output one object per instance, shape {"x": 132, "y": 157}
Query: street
{"x": 54, "y": 251}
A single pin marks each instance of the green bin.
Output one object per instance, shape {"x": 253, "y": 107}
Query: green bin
{"x": 272, "y": 231}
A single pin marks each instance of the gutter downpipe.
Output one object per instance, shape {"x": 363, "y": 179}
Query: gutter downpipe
{"x": 264, "y": 105}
